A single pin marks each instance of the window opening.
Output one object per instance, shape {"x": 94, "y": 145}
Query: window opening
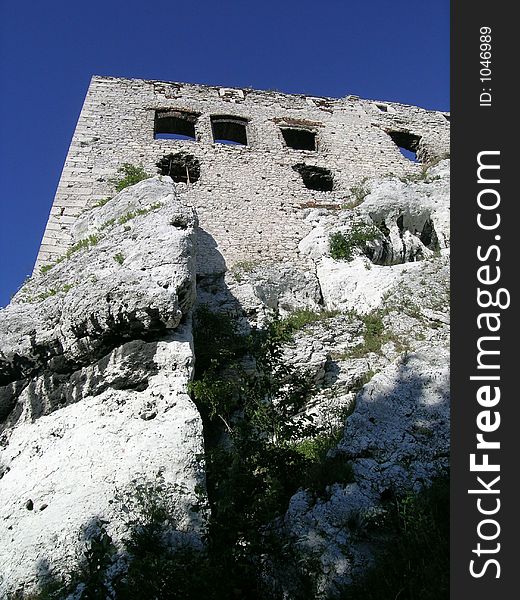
{"x": 315, "y": 178}
{"x": 229, "y": 130}
{"x": 408, "y": 143}
{"x": 174, "y": 125}
{"x": 181, "y": 167}
{"x": 299, "y": 139}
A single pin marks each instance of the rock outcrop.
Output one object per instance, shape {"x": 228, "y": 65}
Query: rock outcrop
{"x": 95, "y": 361}
{"x": 97, "y": 355}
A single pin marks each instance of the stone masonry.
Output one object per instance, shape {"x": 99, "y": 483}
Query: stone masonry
{"x": 249, "y": 196}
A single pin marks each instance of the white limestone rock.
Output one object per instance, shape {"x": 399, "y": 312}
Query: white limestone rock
{"x": 410, "y": 221}
{"x": 267, "y": 289}
{"x": 139, "y": 197}
{"x": 71, "y": 464}
{"x": 361, "y": 286}
{"x": 95, "y": 360}
{"x": 138, "y": 277}
{"x": 397, "y": 438}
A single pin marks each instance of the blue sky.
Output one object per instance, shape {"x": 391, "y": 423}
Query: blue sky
{"x": 389, "y": 50}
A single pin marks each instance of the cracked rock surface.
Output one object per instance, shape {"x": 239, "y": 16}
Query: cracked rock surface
{"x": 97, "y": 352}
{"x": 95, "y": 359}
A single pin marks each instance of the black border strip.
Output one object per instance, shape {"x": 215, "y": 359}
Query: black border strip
{"x": 484, "y": 124}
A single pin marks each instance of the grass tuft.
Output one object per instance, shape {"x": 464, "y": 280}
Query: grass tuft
{"x": 131, "y": 174}
{"x": 343, "y": 245}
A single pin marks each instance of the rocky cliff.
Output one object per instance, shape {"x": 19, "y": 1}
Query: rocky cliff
{"x": 120, "y": 391}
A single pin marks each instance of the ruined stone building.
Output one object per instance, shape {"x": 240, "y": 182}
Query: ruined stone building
{"x": 331, "y": 215}
{"x": 250, "y": 160}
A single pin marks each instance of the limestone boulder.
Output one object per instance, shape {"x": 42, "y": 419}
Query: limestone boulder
{"x": 95, "y": 359}
{"x": 406, "y": 224}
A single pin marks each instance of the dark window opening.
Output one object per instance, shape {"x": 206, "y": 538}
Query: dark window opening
{"x": 408, "y": 143}
{"x": 299, "y": 139}
{"x": 181, "y": 167}
{"x": 315, "y": 178}
{"x": 174, "y": 125}
{"x": 229, "y": 130}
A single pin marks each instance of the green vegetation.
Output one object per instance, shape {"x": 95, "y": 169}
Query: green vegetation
{"x": 266, "y": 458}
{"x": 136, "y": 213}
{"x": 241, "y": 267}
{"x": 94, "y": 239}
{"x": 246, "y": 266}
{"x": 84, "y": 244}
{"x": 322, "y": 469}
{"x": 423, "y": 173}
{"x": 416, "y": 176}
{"x": 107, "y": 224}
{"x": 102, "y": 202}
{"x": 362, "y": 381}
{"x": 411, "y": 563}
{"x": 54, "y": 291}
{"x": 119, "y": 258}
{"x": 131, "y": 174}
{"x": 414, "y": 563}
{"x": 300, "y": 318}
{"x": 357, "y": 194}
{"x": 342, "y": 245}
{"x": 90, "y": 570}
{"x": 375, "y": 336}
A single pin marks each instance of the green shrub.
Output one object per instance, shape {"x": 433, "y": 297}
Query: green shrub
{"x": 131, "y": 175}
{"x": 98, "y": 556}
{"x": 217, "y": 340}
{"x": 375, "y": 335}
{"x": 247, "y": 392}
{"x": 332, "y": 469}
{"x": 374, "y": 328}
{"x": 414, "y": 563}
{"x": 46, "y": 268}
{"x": 300, "y": 318}
{"x": 315, "y": 448}
{"x": 323, "y": 470}
{"x": 119, "y": 258}
{"x": 342, "y": 245}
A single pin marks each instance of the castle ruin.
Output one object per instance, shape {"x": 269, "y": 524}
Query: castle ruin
{"x": 249, "y": 161}
{"x": 161, "y": 287}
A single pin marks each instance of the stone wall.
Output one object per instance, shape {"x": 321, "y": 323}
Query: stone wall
{"x": 249, "y": 198}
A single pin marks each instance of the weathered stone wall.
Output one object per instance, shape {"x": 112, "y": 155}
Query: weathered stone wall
{"x": 248, "y": 198}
